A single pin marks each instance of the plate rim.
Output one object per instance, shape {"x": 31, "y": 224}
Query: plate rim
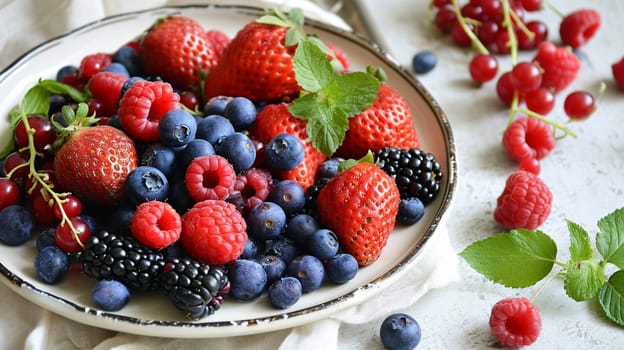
{"x": 68, "y": 308}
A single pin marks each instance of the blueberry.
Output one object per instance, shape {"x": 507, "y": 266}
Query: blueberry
{"x": 114, "y": 121}
{"x": 300, "y": 227}
{"x": 328, "y": 168}
{"x": 424, "y": 61}
{"x": 284, "y": 248}
{"x": 323, "y": 244}
{"x": 341, "y": 268}
{"x": 177, "y": 128}
{"x": 122, "y": 217}
{"x": 411, "y": 210}
{"x": 285, "y": 292}
{"x": 179, "y": 197}
{"x": 117, "y": 68}
{"x": 160, "y": 157}
{"x": 238, "y": 149}
{"x": 213, "y": 128}
{"x": 130, "y": 59}
{"x": 216, "y": 105}
{"x": 247, "y": 279}
{"x": 146, "y": 183}
{"x": 241, "y": 112}
{"x": 250, "y": 251}
{"x": 128, "y": 84}
{"x": 51, "y": 264}
{"x": 56, "y": 104}
{"x": 308, "y": 270}
{"x": 46, "y": 238}
{"x": 16, "y": 225}
{"x": 283, "y": 152}
{"x": 400, "y": 332}
{"x": 66, "y": 71}
{"x": 273, "y": 266}
{"x": 194, "y": 149}
{"x": 266, "y": 221}
{"x": 110, "y": 295}
{"x": 289, "y": 195}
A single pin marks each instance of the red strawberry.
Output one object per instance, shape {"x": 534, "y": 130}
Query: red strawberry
{"x": 360, "y": 205}
{"x": 386, "y": 123}
{"x": 256, "y": 64}
{"x": 218, "y": 39}
{"x": 177, "y": 49}
{"x": 94, "y": 162}
{"x": 105, "y": 87}
{"x": 559, "y": 66}
{"x": 579, "y": 26}
{"x": 275, "y": 119}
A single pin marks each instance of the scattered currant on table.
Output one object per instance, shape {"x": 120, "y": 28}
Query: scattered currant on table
{"x": 150, "y": 175}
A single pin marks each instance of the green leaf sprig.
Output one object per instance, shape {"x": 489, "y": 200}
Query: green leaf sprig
{"x": 521, "y": 258}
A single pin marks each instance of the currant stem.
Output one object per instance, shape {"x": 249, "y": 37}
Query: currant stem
{"x": 553, "y": 8}
{"x": 550, "y": 122}
{"x": 41, "y": 178}
{"x": 513, "y": 42}
{"x": 476, "y": 43}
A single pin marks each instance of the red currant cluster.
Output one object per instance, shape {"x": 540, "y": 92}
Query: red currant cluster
{"x": 529, "y": 87}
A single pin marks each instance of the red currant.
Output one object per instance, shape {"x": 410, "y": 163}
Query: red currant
{"x": 541, "y": 100}
{"x": 43, "y": 210}
{"x": 71, "y": 206}
{"x": 540, "y": 33}
{"x": 459, "y": 36}
{"x": 472, "y": 11}
{"x": 189, "y": 99}
{"x": 531, "y": 5}
{"x": 483, "y": 68}
{"x": 502, "y": 42}
{"x": 487, "y": 32}
{"x": 44, "y": 134}
{"x": 579, "y": 105}
{"x": 445, "y": 18}
{"x": 12, "y": 162}
{"x": 9, "y": 192}
{"x": 492, "y": 8}
{"x": 440, "y": 3}
{"x": 505, "y": 89}
{"x": 617, "y": 70}
{"x": 526, "y": 76}
{"x": 92, "y": 64}
{"x": 65, "y": 239}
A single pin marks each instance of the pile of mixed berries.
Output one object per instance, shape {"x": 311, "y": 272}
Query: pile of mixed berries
{"x": 177, "y": 164}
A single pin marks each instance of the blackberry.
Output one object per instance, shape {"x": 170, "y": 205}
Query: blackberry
{"x": 416, "y": 173}
{"x": 111, "y": 256}
{"x": 311, "y": 195}
{"x": 195, "y": 288}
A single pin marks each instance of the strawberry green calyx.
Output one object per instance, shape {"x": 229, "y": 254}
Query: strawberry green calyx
{"x": 329, "y": 99}
{"x": 368, "y": 158}
{"x": 76, "y": 120}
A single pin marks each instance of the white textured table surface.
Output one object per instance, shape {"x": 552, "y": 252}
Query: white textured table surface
{"x": 584, "y": 174}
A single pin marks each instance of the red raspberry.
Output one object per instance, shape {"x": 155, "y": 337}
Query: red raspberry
{"x": 91, "y": 64}
{"x": 213, "y": 232}
{"x": 559, "y": 66}
{"x": 617, "y": 69}
{"x": 515, "y": 322}
{"x": 156, "y": 224}
{"x": 524, "y": 203}
{"x": 106, "y": 88}
{"x": 218, "y": 39}
{"x": 210, "y": 177}
{"x": 579, "y": 26}
{"x": 528, "y": 137}
{"x": 143, "y": 106}
{"x": 254, "y": 186}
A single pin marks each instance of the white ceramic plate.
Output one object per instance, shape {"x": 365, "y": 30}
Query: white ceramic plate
{"x": 154, "y": 315}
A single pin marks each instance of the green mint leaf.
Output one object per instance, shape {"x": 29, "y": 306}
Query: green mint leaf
{"x": 610, "y": 239}
{"x": 36, "y": 101}
{"x": 583, "y": 279}
{"x": 516, "y": 259}
{"x": 378, "y": 73}
{"x": 611, "y": 297}
{"x": 58, "y": 88}
{"x": 312, "y": 69}
{"x": 326, "y": 126}
{"x": 293, "y": 37}
{"x": 297, "y": 17}
{"x": 354, "y": 92}
{"x": 14, "y": 117}
{"x": 580, "y": 245}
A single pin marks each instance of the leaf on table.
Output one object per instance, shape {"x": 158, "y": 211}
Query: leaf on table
{"x": 584, "y": 279}
{"x": 516, "y": 259}
{"x": 611, "y": 297}
{"x": 580, "y": 245}
{"x": 610, "y": 239}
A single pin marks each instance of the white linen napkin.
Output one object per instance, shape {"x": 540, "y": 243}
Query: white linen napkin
{"x": 27, "y": 23}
